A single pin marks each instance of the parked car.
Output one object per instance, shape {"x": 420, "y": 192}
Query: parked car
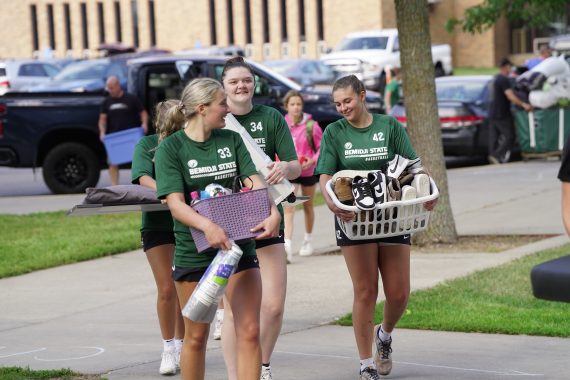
{"x": 19, "y": 73}
{"x": 58, "y": 131}
{"x": 306, "y": 72}
{"x": 463, "y": 105}
{"x": 85, "y": 76}
{"x": 366, "y": 55}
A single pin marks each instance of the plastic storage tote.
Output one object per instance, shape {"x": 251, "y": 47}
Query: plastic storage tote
{"x": 542, "y": 131}
{"x": 120, "y": 146}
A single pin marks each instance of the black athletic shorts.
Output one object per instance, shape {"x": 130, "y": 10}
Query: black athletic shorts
{"x": 342, "y": 240}
{"x": 271, "y": 241}
{"x": 195, "y": 274}
{"x": 151, "y": 239}
{"x": 306, "y": 181}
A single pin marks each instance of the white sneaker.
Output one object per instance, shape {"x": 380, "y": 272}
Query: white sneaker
{"x": 266, "y": 373}
{"x": 177, "y": 358}
{"x": 289, "y": 252}
{"x": 168, "y": 363}
{"x": 408, "y": 193}
{"x": 306, "y": 249}
{"x": 422, "y": 185}
{"x": 217, "y": 335}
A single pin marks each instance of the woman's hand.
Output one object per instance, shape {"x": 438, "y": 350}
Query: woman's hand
{"x": 269, "y": 226}
{"x": 307, "y": 163}
{"x": 278, "y": 171}
{"x": 344, "y": 215}
{"x": 217, "y": 237}
{"x": 430, "y": 205}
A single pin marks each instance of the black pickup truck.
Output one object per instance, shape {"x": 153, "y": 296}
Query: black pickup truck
{"x": 58, "y": 131}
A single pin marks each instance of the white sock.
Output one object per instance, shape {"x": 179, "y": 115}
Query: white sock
{"x": 220, "y": 314}
{"x": 168, "y": 344}
{"x": 365, "y": 363}
{"x": 383, "y": 335}
{"x": 178, "y": 344}
{"x": 308, "y": 237}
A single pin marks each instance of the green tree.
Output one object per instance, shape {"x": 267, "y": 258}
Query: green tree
{"x": 534, "y": 13}
{"x": 423, "y": 125}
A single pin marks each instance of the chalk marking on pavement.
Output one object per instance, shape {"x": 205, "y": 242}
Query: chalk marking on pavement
{"x": 99, "y": 352}
{"x": 505, "y": 373}
{"x": 22, "y": 353}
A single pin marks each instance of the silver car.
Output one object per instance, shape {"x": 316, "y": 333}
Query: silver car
{"x": 306, "y": 72}
{"x": 21, "y": 73}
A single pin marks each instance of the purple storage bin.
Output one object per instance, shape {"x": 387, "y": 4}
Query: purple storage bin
{"x": 120, "y": 146}
{"x": 236, "y": 213}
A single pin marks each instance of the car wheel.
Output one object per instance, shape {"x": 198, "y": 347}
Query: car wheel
{"x": 71, "y": 168}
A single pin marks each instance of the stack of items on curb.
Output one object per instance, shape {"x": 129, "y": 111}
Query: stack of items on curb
{"x": 546, "y": 84}
{"x": 400, "y": 180}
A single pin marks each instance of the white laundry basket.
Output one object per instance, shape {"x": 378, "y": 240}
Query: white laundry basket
{"x": 387, "y": 219}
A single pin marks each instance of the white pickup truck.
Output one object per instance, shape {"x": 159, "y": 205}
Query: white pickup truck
{"x": 366, "y": 55}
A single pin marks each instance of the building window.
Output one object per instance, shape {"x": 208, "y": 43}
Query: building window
{"x": 320, "y": 27}
{"x": 247, "y": 10}
{"x": 302, "y": 36}
{"x": 230, "y": 14}
{"x": 51, "y": 27}
{"x": 101, "y": 21}
{"x": 151, "y": 23}
{"x": 118, "y": 30}
{"x": 213, "y": 36}
{"x": 135, "y": 17}
{"x": 67, "y": 25}
{"x": 34, "y": 20}
{"x": 283, "y": 20}
{"x": 84, "y": 24}
{"x": 265, "y": 11}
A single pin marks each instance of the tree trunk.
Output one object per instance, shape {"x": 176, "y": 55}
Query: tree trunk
{"x": 421, "y": 109}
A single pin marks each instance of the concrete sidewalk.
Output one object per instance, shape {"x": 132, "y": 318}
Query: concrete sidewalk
{"x": 99, "y": 316}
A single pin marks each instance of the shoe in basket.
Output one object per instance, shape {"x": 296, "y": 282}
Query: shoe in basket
{"x": 362, "y": 192}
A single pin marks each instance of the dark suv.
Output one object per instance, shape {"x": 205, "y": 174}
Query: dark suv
{"x": 158, "y": 78}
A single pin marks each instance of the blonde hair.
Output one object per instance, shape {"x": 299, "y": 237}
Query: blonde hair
{"x": 198, "y": 91}
{"x": 291, "y": 94}
{"x": 162, "y": 126}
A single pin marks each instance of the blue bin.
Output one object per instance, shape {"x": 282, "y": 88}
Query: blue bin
{"x": 120, "y": 146}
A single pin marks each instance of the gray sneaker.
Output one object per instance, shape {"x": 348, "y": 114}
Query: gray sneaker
{"x": 369, "y": 373}
{"x": 383, "y": 355}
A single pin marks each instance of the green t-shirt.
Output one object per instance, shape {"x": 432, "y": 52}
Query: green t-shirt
{"x": 394, "y": 88}
{"x": 345, "y": 147}
{"x": 184, "y": 165}
{"x": 271, "y": 132}
{"x": 143, "y": 165}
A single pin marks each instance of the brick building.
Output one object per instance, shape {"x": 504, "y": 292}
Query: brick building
{"x": 264, "y": 28}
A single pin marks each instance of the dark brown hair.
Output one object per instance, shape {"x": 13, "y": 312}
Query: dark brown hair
{"x": 349, "y": 81}
{"x": 234, "y": 62}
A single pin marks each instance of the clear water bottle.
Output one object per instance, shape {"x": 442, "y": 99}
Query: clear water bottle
{"x": 203, "y": 303}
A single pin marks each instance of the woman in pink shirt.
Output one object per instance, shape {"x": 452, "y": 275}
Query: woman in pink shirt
{"x": 307, "y": 138}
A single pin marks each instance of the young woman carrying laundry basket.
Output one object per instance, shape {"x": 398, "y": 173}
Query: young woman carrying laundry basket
{"x": 362, "y": 143}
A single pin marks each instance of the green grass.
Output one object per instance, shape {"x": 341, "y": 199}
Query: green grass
{"x": 44, "y": 240}
{"x": 16, "y": 373}
{"x": 475, "y": 70}
{"x": 497, "y": 300}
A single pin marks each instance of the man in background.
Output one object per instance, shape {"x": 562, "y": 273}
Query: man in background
{"x": 501, "y": 123}
{"x": 119, "y": 111}
{"x": 392, "y": 90}
{"x": 544, "y": 52}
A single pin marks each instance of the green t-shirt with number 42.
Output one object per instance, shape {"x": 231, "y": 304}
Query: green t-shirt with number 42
{"x": 184, "y": 165}
{"x": 346, "y": 147}
{"x": 271, "y": 132}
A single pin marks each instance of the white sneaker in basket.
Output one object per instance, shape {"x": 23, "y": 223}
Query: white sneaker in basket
{"x": 362, "y": 193}
{"x": 408, "y": 193}
{"x": 377, "y": 182}
{"x": 395, "y": 167}
{"x": 422, "y": 185}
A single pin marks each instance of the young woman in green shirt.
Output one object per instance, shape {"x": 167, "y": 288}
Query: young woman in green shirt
{"x": 365, "y": 141}
{"x": 158, "y": 244}
{"x": 188, "y": 160}
{"x": 269, "y": 129}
